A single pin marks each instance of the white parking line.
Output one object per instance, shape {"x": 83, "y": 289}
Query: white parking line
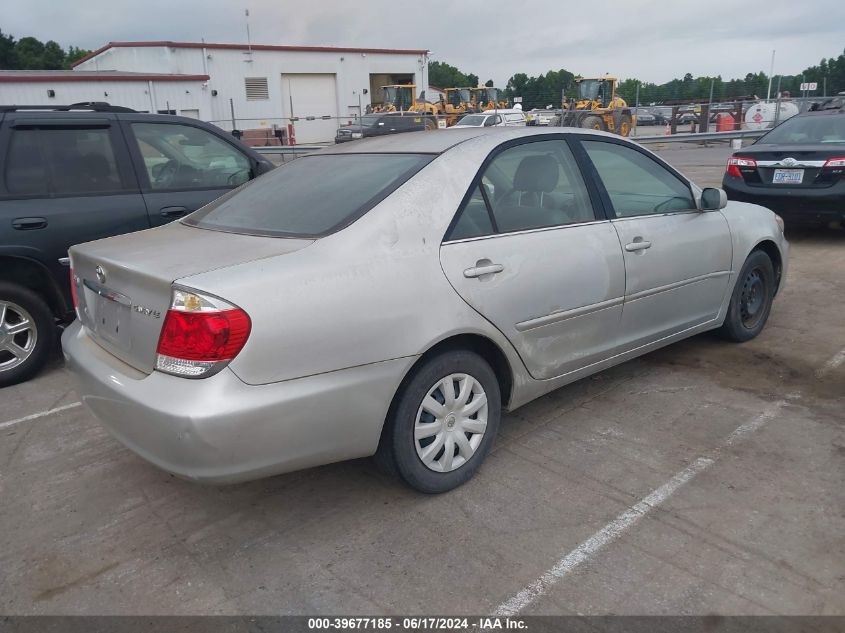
{"x": 35, "y": 416}
{"x": 832, "y": 364}
{"x": 613, "y": 530}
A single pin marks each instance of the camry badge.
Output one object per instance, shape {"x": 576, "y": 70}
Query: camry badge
{"x": 101, "y": 274}
{"x": 789, "y": 162}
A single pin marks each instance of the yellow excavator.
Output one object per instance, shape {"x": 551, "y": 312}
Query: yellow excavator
{"x": 488, "y": 98}
{"x": 598, "y": 107}
{"x": 402, "y": 98}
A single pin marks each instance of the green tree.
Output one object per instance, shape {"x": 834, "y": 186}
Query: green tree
{"x": 30, "y": 53}
{"x": 8, "y": 54}
{"x": 74, "y": 54}
{"x": 489, "y": 83}
{"x": 443, "y": 75}
{"x": 53, "y": 57}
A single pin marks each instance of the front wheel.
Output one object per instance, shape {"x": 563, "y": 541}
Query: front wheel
{"x": 27, "y": 332}
{"x": 752, "y": 299}
{"x": 443, "y": 422}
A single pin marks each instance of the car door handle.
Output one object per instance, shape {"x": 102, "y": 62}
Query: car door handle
{"x": 637, "y": 245}
{"x": 172, "y": 212}
{"x": 28, "y": 224}
{"x": 486, "y": 269}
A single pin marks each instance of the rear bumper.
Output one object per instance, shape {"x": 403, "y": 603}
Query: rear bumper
{"x": 795, "y": 205}
{"x": 221, "y": 430}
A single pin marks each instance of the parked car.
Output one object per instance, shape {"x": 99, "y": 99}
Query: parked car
{"x": 644, "y": 117}
{"x": 78, "y": 173}
{"x": 393, "y": 296}
{"x": 381, "y": 124}
{"x": 797, "y": 169}
{"x": 542, "y": 116}
{"x": 492, "y": 118}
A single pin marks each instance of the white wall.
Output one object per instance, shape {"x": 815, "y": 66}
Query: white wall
{"x": 228, "y": 68}
{"x": 138, "y": 95}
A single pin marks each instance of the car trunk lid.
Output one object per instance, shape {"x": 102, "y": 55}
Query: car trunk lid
{"x": 797, "y": 166}
{"x": 123, "y": 284}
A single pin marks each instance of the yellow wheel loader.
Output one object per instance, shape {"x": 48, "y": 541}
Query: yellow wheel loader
{"x": 488, "y": 98}
{"x": 598, "y": 107}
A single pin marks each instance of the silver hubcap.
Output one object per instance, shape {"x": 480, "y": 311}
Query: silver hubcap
{"x": 451, "y": 422}
{"x": 17, "y": 335}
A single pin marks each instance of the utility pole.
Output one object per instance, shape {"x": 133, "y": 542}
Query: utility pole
{"x": 771, "y": 72}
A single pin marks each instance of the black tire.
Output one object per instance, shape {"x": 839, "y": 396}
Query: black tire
{"x": 752, "y": 298}
{"x": 44, "y": 332}
{"x": 593, "y": 122}
{"x": 397, "y": 451}
{"x": 430, "y": 124}
{"x": 625, "y": 125}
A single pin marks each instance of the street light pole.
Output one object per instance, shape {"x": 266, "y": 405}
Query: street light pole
{"x": 771, "y": 72}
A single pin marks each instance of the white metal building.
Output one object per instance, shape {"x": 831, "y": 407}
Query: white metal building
{"x": 317, "y": 88}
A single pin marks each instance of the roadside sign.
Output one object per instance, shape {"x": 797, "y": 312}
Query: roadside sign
{"x": 517, "y": 99}
{"x": 810, "y": 86}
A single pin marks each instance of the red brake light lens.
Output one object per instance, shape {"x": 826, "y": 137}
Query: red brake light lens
{"x": 735, "y": 162}
{"x": 73, "y": 290}
{"x": 200, "y": 335}
{"x": 834, "y": 163}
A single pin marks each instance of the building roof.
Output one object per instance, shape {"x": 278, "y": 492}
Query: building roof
{"x": 8, "y": 76}
{"x": 254, "y": 47}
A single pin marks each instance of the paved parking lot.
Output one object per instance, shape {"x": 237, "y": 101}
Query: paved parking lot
{"x": 704, "y": 478}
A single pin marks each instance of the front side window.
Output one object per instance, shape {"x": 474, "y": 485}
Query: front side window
{"x": 61, "y": 161}
{"x": 529, "y": 186}
{"x": 636, "y": 184}
{"x": 185, "y": 157}
{"x": 309, "y": 197}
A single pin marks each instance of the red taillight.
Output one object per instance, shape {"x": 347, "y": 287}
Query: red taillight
{"x": 200, "y": 334}
{"x": 735, "y": 162}
{"x": 206, "y": 336}
{"x": 73, "y": 296}
{"x": 834, "y": 163}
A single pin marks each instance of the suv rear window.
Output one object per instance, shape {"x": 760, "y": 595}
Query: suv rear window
{"x": 310, "y": 197}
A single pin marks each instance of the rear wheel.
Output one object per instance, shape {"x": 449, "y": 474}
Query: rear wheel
{"x": 442, "y": 423}
{"x": 593, "y": 122}
{"x": 752, "y": 298}
{"x": 625, "y": 125}
{"x": 27, "y": 333}
{"x": 430, "y": 124}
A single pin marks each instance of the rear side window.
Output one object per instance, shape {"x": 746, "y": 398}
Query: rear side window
{"x": 61, "y": 161}
{"x": 528, "y": 186}
{"x": 310, "y": 197}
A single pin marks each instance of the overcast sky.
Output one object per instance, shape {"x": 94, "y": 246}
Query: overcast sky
{"x": 653, "y": 40}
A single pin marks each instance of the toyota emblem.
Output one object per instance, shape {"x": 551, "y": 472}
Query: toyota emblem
{"x": 789, "y": 162}
{"x": 101, "y": 274}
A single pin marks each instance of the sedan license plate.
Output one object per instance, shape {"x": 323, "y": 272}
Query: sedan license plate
{"x": 109, "y": 313}
{"x": 788, "y": 176}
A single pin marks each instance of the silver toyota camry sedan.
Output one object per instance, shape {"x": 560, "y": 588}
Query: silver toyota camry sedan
{"x": 393, "y": 296}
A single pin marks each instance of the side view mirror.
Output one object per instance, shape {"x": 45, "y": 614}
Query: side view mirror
{"x": 713, "y": 199}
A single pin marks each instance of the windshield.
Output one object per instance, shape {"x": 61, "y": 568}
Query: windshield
{"x": 594, "y": 90}
{"x": 803, "y": 130}
{"x": 311, "y": 196}
{"x": 401, "y": 97}
{"x": 472, "y": 120}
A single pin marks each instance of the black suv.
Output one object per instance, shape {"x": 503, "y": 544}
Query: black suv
{"x": 385, "y": 123}
{"x": 78, "y": 173}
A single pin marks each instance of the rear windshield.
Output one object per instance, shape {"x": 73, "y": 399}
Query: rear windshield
{"x": 311, "y": 196}
{"x": 803, "y": 130}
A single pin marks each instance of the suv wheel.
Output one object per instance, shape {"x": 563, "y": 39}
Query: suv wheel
{"x": 27, "y": 333}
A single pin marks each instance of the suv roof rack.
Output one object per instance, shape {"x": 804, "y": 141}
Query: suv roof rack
{"x": 93, "y": 106}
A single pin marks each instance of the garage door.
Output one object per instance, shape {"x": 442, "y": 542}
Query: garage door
{"x": 311, "y": 95}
